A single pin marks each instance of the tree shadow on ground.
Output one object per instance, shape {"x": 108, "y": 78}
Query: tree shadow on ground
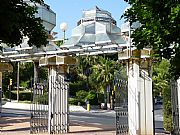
{"x": 12, "y": 123}
{"x": 83, "y": 127}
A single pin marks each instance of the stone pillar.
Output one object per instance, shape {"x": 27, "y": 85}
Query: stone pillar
{"x": 36, "y": 72}
{"x": 0, "y": 92}
{"x": 178, "y": 102}
{"x": 133, "y": 98}
{"x": 140, "y": 99}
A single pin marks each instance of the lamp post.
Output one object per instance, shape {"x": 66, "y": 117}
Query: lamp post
{"x": 64, "y": 27}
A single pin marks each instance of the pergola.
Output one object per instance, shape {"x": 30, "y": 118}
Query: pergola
{"x": 95, "y": 34}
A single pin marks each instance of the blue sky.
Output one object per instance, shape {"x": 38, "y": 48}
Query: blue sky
{"x": 70, "y": 11}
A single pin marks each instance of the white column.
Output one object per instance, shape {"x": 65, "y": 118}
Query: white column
{"x": 52, "y": 75}
{"x": 133, "y": 98}
{"x": 0, "y": 92}
{"x": 178, "y": 96}
{"x": 140, "y": 105}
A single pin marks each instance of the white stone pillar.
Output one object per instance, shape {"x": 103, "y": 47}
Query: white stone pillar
{"x": 178, "y": 98}
{"x": 0, "y": 93}
{"x": 52, "y": 76}
{"x": 133, "y": 98}
{"x": 140, "y": 99}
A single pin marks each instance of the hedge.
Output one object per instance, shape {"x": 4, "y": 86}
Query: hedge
{"x": 23, "y": 95}
{"x": 75, "y": 87}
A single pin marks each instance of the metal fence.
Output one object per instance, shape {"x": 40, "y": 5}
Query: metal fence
{"x": 121, "y": 106}
{"x": 39, "y": 109}
{"x": 175, "y": 108}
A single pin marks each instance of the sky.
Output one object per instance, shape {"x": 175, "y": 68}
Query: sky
{"x": 70, "y": 11}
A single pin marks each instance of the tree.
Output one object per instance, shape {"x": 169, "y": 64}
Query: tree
{"x": 159, "y": 29}
{"x": 84, "y": 67}
{"x": 18, "y": 21}
{"x": 161, "y": 86}
{"x": 161, "y": 76}
{"x": 104, "y": 74}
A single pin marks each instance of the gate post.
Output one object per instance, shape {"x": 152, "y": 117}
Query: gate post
{"x": 0, "y": 92}
{"x": 140, "y": 99}
{"x": 175, "y": 97}
{"x": 58, "y": 118}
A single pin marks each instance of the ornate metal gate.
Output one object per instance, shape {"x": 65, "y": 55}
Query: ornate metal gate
{"x": 49, "y": 111}
{"x": 175, "y": 107}
{"x": 39, "y": 109}
{"x": 121, "y": 105}
{"x": 58, "y": 105}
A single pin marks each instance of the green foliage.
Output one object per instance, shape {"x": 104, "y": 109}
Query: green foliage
{"x": 43, "y": 99}
{"x": 167, "y": 109}
{"x": 161, "y": 86}
{"x": 168, "y": 114}
{"x": 73, "y": 101}
{"x": 75, "y": 87}
{"x": 19, "y": 21}
{"x": 161, "y": 76}
{"x": 81, "y": 95}
{"x": 23, "y": 95}
{"x": 27, "y": 72}
{"x": 168, "y": 122}
{"x": 5, "y": 80}
{"x": 159, "y": 28}
{"x": 92, "y": 98}
{"x": 24, "y": 84}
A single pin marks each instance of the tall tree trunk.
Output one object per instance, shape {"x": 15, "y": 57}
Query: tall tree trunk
{"x": 105, "y": 99}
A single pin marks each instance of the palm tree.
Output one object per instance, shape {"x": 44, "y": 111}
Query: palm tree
{"x": 84, "y": 67}
{"x": 104, "y": 74}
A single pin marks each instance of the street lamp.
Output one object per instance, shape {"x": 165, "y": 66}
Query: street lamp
{"x": 63, "y": 27}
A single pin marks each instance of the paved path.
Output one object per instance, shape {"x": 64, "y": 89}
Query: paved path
{"x": 20, "y": 126}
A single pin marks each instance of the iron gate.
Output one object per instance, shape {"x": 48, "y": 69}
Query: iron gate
{"x": 58, "y": 105}
{"x": 49, "y": 110}
{"x": 39, "y": 109}
{"x": 175, "y": 108}
{"x": 121, "y": 106}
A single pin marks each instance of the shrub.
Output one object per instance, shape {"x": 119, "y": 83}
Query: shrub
{"x": 168, "y": 122}
{"x": 92, "y": 97}
{"x": 75, "y": 87}
{"x": 43, "y": 99}
{"x": 23, "y": 95}
{"x": 100, "y": 97}
{"x": 24, "y": 84}
{"x": 167, "y": 109}
{"x": 73, "y": 101}
{"x": 167, "y": 116}
{"x": 81, "y": 95}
